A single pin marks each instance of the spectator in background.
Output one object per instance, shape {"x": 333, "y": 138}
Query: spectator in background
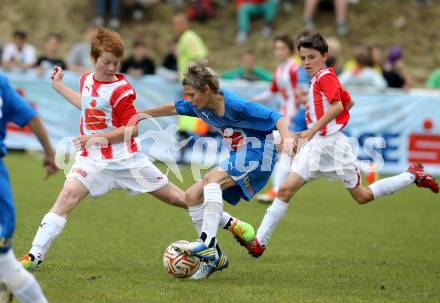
{"x": 137, "y": 7}
{"x": 303, "y": 77}
{"x": 50, "y": 57}
{"x": 334, "y": 47}
{"x": 168, "y": 69}
{"x": 138, "y": 64}
{"x": 341, "y": 15}
{"x": 248, "y": 69}
{"x": 362, "y": 75}
{"x": 246, "y": 9}
{"x": 376, "y": 57}
{"x": 18, "y": 54}
{"x": 434, "y": 79}
{"x": 190, "y": 46}
{"x": 79, "y": 60}
{"x": 395, "y": 71}
{"x": 200, "y": 10}
{"x": 113, "y": 7}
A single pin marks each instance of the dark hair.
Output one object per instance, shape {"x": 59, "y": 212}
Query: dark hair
{"x": 302, "y": 34}
{"x": 199, "y": 74}
{"x": 139, "y": 43}
{"x": 248, "y": 52}
{"x": 287, "y": 40}
{"x": 20, "y": 34}
{"x": 56, "y": 36}
{"x": 362, "y": 55}
{"x": 315, "y": 41}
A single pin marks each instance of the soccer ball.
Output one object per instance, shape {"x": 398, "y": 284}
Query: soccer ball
{"x": 179, "y": 264}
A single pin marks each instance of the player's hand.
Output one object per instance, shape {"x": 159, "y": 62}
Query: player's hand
{"x": 289, "y": 146}
{"x": 49, "y": 165}
{"x": 85, "y": 141}
{"x": 81, "y": 142}
{"x": 307, "y": 134}
{"x": 57, "y": 75}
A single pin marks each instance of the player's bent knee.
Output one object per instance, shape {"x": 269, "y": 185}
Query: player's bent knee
{"x": 285, "y": 193}
{"x": 191, "y": 198}
{"x": 363, "y": 198}
{"x": 68, "y": 199}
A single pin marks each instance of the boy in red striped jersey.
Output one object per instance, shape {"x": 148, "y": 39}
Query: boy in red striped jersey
{"x": 327, "y": 151}
{"x": 106, "y": 103}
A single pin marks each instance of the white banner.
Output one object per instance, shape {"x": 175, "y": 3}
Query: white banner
{"x": 409, "y": 122}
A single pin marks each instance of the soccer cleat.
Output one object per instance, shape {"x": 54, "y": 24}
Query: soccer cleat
{"x": 197, "y": 249}
{"x": 242, "y": 230}
{"x": 208, "y": 268}
{"x": 423, "y": 179}
{"x": 29, "y": 262}
{"x": 268, "y": 196}
{"x": 244, "y": 233}
{"x": 254, "y": 247}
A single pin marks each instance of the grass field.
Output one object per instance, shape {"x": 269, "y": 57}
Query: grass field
{"x": 326, "y": 249}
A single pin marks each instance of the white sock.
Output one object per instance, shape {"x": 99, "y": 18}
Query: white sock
{"x": 280, "y": 171}
{"x": 390, "y": 185}
{"x": 224, "y": 220}
{"x": 19, "y": 281}
{"x": 212, "y": 213}
{"x": 51, "y": 226}
{"x": 273, "y": 216}
{"x": 196, "y": 213}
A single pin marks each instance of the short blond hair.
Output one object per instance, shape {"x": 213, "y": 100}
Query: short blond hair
{"x": 199, "y": 74}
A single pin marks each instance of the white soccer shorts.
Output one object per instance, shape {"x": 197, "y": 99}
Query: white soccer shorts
{"x": 135, "y": 174}
{"x": 330, "y": 156}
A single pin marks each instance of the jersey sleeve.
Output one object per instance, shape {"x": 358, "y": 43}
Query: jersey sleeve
{"x": 185, "y": 108}
{"x": 261, "y": 117}
{"x": 274, "y": 87}
{"x": 330, "y": 87}
{"x": 124, "y": 110}
{"x": 20, "y": 111}
{"x": 293, "y": 76}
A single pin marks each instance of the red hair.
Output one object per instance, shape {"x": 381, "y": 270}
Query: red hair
{"x": 105, "y": 40}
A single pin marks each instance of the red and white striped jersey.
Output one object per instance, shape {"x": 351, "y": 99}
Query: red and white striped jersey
{"x": 285, "y": 82}
{"x": 325, "y": 88}
{"x": 106, "y": 106}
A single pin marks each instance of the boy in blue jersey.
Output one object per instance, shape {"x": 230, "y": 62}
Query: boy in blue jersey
{"x": 247, "y": 127}
{"x": 14, "y": 109}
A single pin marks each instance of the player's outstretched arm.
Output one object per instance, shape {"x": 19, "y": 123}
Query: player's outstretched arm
{"x": 333, "y": 111}
{"x": 168, "y": 109}
{"x": 69, "y": 94}
{"x": 40, "y": 132}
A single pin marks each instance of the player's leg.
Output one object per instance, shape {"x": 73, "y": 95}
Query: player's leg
{"x": 279, "y": 175}
{"x": 54, "y": 221}
{"x": 276, "y": 211}
{"x": 194, "y": 198}
{"x": 21, "y": 283}
{"x": 171, "y": 194}
{"x": 388, "y": 186}
{"x": 210, "y": 187}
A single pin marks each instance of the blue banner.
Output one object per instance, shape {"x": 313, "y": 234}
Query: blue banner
{"x": 407, "y": 121}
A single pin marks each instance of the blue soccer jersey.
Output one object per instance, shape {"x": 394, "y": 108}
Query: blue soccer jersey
{"x": 247, "y": 127}
{"x": 12, "y": 109}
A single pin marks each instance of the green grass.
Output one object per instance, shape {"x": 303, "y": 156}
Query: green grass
{"x": 326, "y": 249}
